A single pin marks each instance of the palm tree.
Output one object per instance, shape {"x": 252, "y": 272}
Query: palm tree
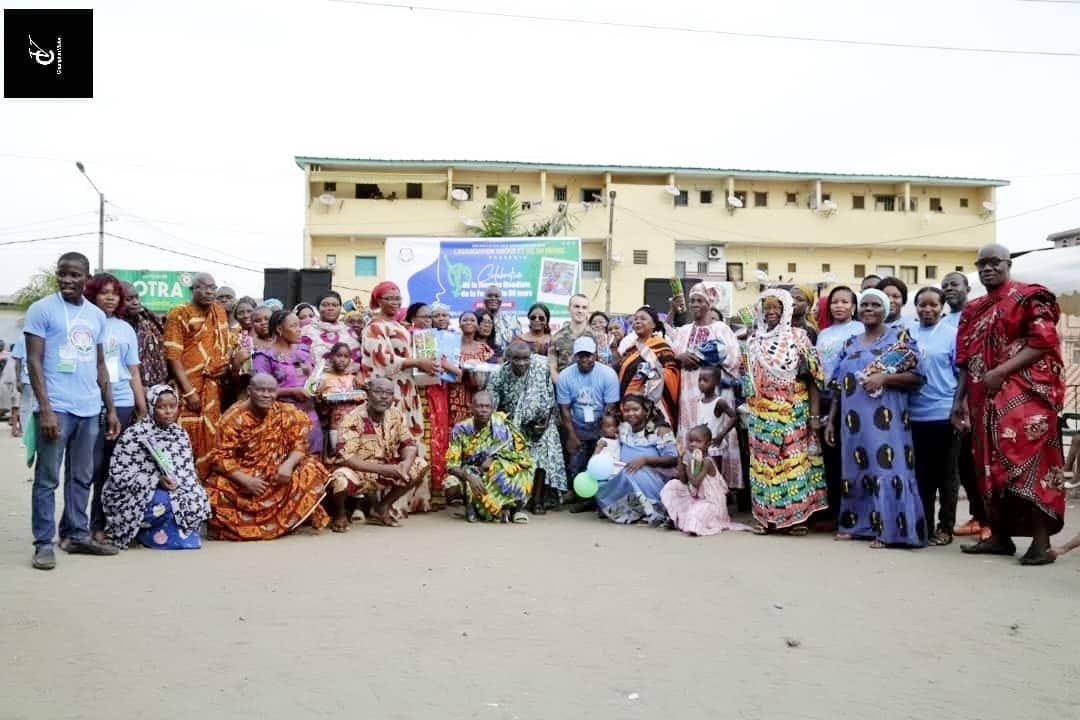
{"x": 41, "y": 283}
{"x": 502, "y": 215}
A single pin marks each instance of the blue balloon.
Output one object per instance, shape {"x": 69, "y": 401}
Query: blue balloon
{"x": 601, "y": 467}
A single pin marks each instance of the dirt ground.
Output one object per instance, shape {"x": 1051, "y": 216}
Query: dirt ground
{"x": 567, "y": 617}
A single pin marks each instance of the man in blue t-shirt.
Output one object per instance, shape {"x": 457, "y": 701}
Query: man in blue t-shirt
{"x": 585, "y": 391}
{"x": 70, "y": 382}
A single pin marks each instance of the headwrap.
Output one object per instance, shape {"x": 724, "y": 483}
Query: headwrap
{"x": 380, "y": 290}
{"x": 775, "y": 351}
{"x": 874, "y": 292}
{"x": 272, "y": 303}
{"x": 439, "y": 306}
{"x": 710, "y": 291}
{"x": 155, "y": 393}
{"x": 811, "y": 299}
{"x": 300, "y": 306}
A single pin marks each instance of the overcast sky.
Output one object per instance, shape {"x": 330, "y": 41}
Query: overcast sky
{"x": 200, "y": 107}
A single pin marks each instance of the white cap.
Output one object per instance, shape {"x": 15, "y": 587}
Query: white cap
{"x": 585, "y": 344}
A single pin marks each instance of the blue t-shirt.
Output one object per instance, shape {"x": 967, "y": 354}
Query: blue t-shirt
{"x": 937, "y": 364}
{"x": 72, "y": 334}
{"x": 121, "y": 348}
{"x": 953, "y": 318}
{"x": 18, "y": 352}
{"x": 830, "y": 342}
{"x": 587, "y": 394}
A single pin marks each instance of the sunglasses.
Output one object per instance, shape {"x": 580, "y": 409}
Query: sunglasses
{"x": 537, "y": 317}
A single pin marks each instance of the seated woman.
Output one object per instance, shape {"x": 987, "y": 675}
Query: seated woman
{"x": 263, "y": 484}
{"x": 152, "y": 493}
{"x": 646, "y": 445}
{"x": 492, "y": 461}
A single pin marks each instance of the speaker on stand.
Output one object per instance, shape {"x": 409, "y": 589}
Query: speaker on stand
{"x": 281, "y": 284}
{"x": 312, "y": 284}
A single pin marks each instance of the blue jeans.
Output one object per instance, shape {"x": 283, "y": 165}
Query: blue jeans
{"x": 75, "y": 444}
{"x": 579, "y": 461}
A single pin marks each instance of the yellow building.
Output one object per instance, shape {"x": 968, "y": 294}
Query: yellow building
{"x": 723, "y": 225}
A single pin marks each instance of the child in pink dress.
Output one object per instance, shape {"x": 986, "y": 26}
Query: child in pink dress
{"x": 696, "y": 500}
{"x": 337, "y": 392}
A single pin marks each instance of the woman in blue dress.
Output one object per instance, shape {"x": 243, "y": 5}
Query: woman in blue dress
{"x": 152, "y": 493}
{"x": 879, "y": 497}
{"x": 647, "y": 447}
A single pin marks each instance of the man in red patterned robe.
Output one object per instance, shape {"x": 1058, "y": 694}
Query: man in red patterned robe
{"x": 1011, "y": 393}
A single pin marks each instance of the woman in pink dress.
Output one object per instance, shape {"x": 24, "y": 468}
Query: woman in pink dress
{"x": 703, "y": 297}
{"x": 386, "y": 351}
{"x": 696, "y": 500}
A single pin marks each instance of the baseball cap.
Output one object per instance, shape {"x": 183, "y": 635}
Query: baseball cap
{"x": 585, "y": 344}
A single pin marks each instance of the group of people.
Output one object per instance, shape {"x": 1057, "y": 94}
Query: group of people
{"x": 256, "y": 419}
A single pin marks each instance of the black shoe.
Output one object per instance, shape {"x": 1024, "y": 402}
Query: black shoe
{"x": 1037, "y": 556}
{"x": 91, "y": 547}
{"x": 44, "y": 558}
{"x": 990, "y": 547}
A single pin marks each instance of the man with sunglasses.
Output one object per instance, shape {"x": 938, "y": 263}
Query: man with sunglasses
{"x": 1010, "y": 394}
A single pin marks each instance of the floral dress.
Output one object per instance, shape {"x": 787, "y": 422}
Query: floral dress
{"x": 320, "y": 336}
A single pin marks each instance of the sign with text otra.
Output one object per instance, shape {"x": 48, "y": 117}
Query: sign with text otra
{"x": 457, "y": 271}
{"x": 159, "y": 290}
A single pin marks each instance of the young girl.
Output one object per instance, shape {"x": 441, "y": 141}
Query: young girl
{"x": 718, "y": 415}
{"x": 608, "y": 444}
{"x": 338, "y": 391}
{"x": 696, "y": 500}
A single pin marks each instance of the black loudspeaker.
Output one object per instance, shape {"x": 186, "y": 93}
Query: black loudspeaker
{"x": 658, "y": 290}
{"x": 281, "y": 284}
{"x": 311, "y": 284}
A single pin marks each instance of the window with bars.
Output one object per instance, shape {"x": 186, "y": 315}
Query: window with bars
{"x": 560, "y": 193}
{"x": 490, "y": 191}
{"x": 641, "y": 257}
{"x": 931, "y": 272}
{"x": 935, "y": 205}
{"x": 792, "y": 267}
{"x": 735, "y": 272}
{"x": 705, "y": 197}
{"x": 909, "y": 274}
{"x": 791, "y": 198}
{"x": 826, "y": 267}
{"x": 963, "y": 202}
{"x": 761, "y": 199}
{"x": 860, "y": 271}
{"x": 515, "y": 189}
{"x": 885, "y": 203}
{"x": 329, "y": 187}
{"x": 682, "y": 199}
{"x": 592, "y": 268}
{"x": 858, "y": 202}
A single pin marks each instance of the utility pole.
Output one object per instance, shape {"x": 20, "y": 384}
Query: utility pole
{"x": 101, "y": 219}
{"x": 608, "y": 251}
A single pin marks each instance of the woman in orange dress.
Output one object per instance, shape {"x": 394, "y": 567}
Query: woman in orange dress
{"x": 473, "y": 350}
{"x": 386, "y": 351}
{"x": 648, "y": 366}
{"x": 263, "y": 483}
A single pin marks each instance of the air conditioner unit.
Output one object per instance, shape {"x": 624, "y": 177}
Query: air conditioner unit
{"x": 716, "y": 252}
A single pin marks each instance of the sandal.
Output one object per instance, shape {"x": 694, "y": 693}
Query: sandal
{"x": 877, "y": 545}
{"x": 842, "y": 537}
{"x": 382, "y": 520}
{"x": 759, "y": 529}
{"x": 520, "y": 518}
{"x": 940, "y": 539}
{"x": 799, "y": 531}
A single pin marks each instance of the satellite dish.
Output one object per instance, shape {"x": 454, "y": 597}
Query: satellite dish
{"x": 735, "y": 202}
{"x": 761, "y": 275}
{"x": 988, "y": 206}
{"x": 469, "y": 222}
{"x": 459, "y": 194}
{"x": 671, "y": 190}
{"x": 829, "y": 278}
{"x": 829, "y": 206}
{"x": 327, "y": 199}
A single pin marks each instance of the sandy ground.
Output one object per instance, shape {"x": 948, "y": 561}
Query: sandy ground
{"x": 568, "y": 617}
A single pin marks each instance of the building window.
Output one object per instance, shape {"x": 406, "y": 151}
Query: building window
{"x": 680, "y": 268}
{"x": 959, "y": 268}
{"x": 329, "y": 187}
{"x": 909, "y": 274}
{"x": 963, "y": 202}
{"x": 467, "y": 189}
{"x": 935, "y": 205}
{"x": 791, "y": 267}
{"x": 884, "y": 271}
{"x": 491, "y": 191}
{"x": 860, "y": 271}
{"x": 826, "y": 196}
{"x": 682, "y": 199}
{"x": 703, "y": 267}
{"x": 591, "y": 195}
{"x": 560, "y": 193}
{"x": 331, "y": 261}
{"x": 885, "y": 203}
{"x": 515, "y": 189}
{"x": 414, "y": 191}
{"x": 913, "y": 205}
{"x": 365, "y": 266}
{"x": 367, "y": 191}
{"x": 641, "y": 257}
{"x": 763, "y": 267}
{"x": 826, "y": 267}
{"x": 734, "y": 272}
{"x": 931, "y": 272}
{"x": 705, "y": 197}
{"x": 592, "y": 268}
{"x": 858, "y": 202}
{"x": 761, "y": 199}
{"x": 791, "y": 198}
{"x": 741, "y": 194}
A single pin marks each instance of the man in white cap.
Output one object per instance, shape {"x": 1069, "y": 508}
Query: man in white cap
{"x": 585, "y": 391}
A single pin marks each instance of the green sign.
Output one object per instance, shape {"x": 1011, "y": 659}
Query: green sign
{"x": 159, "y": 290}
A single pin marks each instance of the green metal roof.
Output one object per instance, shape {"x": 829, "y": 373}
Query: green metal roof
{"x": 507, "y": 165}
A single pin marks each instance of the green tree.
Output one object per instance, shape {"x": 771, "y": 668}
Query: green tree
{"x": 502, "y": 217}
{"x": 41, "y": 283}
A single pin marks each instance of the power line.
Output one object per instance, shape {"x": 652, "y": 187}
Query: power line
{"x": 16, "y": 228}
{"x": 183, "y": 254}
{"x": 43, "y": 239}
{"x": 709, "y": 31}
